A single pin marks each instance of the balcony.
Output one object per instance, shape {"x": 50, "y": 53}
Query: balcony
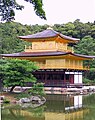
{"x": 44, "y": 66}
{"x": 77, "y": 67}
{"x": 67, "y": 49}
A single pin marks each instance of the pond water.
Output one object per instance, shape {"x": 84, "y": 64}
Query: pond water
{"x": 57, "y": 107}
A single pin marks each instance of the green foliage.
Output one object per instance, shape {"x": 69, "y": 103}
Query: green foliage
{"x": 88, "y": 46}
{"x": 22, "y": 95}
{"x": 91, "y": 74}
{"x": 9, "y": 32}
{"x": 6, "y": 101}
{"x": 18, "y": 72}
{"x": 90, "y": 77}
{"x": 8, "y": 7}
{"x": 37, "y": 4}
{"x": 37, "y": 89}
{"x": 86, "y": 81}
{"x": 2, "y": 68}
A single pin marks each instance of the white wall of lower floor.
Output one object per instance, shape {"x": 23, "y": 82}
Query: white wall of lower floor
{"x": 77, "y": 76}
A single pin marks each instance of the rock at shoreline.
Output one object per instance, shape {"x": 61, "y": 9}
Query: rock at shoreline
{"x": 35, "y": 99}
{"x": 24, "y": 100}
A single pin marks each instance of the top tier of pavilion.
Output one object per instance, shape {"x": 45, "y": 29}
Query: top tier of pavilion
{"x": 49, "y": 40}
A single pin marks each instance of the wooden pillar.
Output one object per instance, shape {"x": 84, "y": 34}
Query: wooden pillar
{"x": 72, "y": 79}
{"x": 45, "y": 80}
{"x": 64, "y": 77}
{"x": 51, "y": 79}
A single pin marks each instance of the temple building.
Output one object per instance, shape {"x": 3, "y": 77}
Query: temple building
{"x": 54, "y": 54}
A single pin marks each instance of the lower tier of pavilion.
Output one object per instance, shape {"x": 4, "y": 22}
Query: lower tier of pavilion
{"x": 56, "y": 68}
{"x": 58, "y": 77}
{"x": 53, "y": 59}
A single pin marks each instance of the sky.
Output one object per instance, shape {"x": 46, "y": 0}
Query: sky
{"x": 57, "y": 12}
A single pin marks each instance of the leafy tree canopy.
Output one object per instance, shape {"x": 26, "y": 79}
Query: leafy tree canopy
{"x": 9, "y": 43}
{"x": 87, "y": 44}
{"x": 17, "y": 72}
{"x": 7, "y": 8}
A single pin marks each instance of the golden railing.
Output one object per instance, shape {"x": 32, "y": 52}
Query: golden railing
{"x": 69, "y": 49}
{"x": 43, "y": 66}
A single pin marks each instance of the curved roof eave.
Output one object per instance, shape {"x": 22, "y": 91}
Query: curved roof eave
{"x": 48, "y": 33}
{"x": 42, "y": 54}
{"x": 69, "y": 38}
{"x": 83, "y": 56}
{"x": 44, "y": 34}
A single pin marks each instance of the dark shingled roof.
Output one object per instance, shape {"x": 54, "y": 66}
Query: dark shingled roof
{"x": 42, "y": 54}
{"x": 34, "y": 54}
{"x": 47, "y": 34}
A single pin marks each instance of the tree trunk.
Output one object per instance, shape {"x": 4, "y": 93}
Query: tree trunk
{"x": 11, "y": 90}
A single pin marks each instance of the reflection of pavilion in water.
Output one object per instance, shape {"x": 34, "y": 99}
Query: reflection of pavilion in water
{"x": 61, "y": 103}
{"x": 61, "y": 107}
{"x": 18, "y": 113}
{"x": 58, "y": 107}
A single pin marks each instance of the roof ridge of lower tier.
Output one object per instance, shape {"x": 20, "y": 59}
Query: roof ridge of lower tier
{"x": 47, "y": 53}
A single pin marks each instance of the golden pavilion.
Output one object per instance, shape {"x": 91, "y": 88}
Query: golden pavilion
{"x": 58, "y": 64}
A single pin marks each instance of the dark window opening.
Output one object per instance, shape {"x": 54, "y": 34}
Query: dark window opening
{"x": 67, "y": 78}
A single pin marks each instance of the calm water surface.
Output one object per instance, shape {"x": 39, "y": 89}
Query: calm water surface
{"x": 57, "y": 107}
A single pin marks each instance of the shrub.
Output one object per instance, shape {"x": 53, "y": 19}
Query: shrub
{"x": 37, "y": 89}
{"x": 6, "y": 101}
{"x": 87, "y": 81}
